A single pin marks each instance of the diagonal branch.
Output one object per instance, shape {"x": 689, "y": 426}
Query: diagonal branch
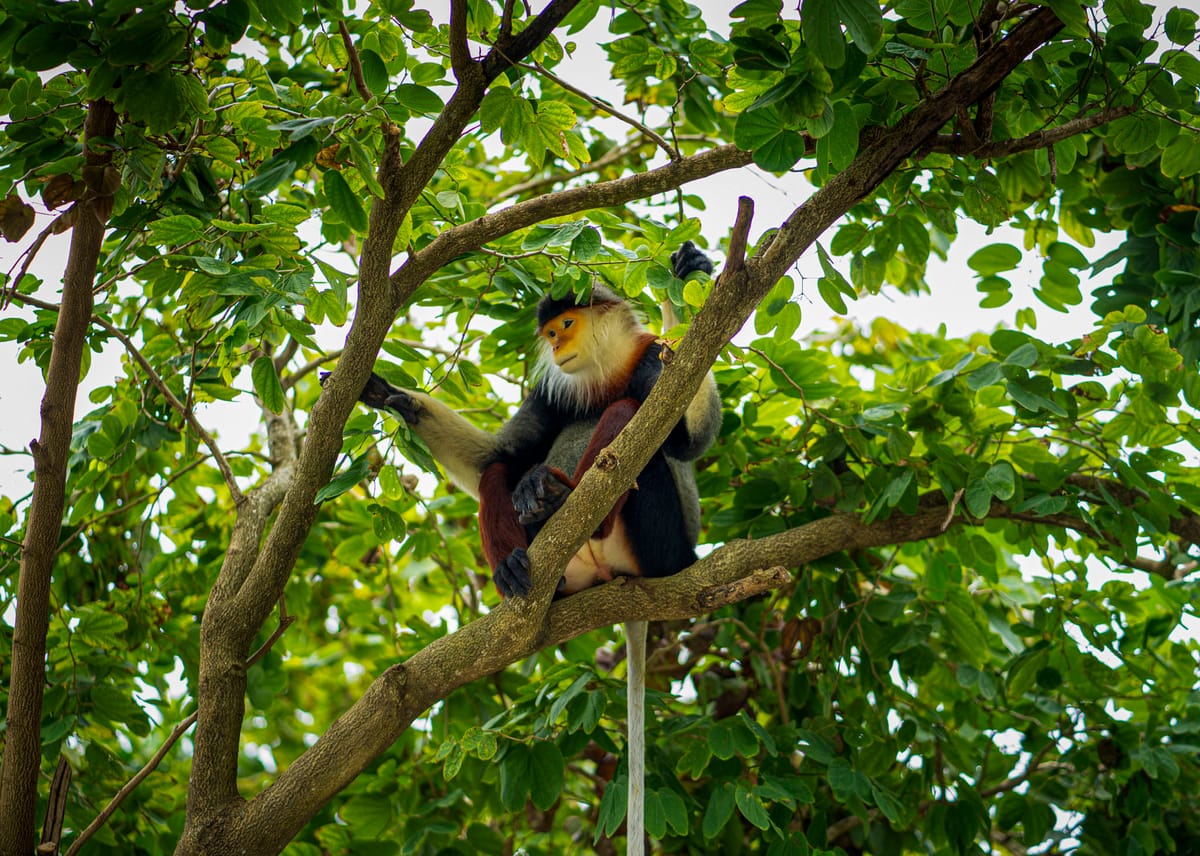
{"x": 957, "y": 145}
{"x": 356, "y": 69}
{"x": 470, "y": 236}
{"x": 255, "y": 571}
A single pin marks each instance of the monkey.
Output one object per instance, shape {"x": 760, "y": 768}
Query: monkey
{"x": 596, "y": 367}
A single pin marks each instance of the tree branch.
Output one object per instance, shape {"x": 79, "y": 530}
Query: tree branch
{"x": 470, "y": 236}
{"x": 254, "y": 574}
{"x": 954, "y": 144}
{"x": 460, "y": 53}
{"x": 22, "y": 757}
{"x": 189, "y": 415}
{"x": 356, "y": 71}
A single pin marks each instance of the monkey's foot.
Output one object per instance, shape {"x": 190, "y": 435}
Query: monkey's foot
{"x": 512, "y": 574}
{"x": 539, "y": 494}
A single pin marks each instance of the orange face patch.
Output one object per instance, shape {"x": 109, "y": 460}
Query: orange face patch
{"x": 562, "y": 333}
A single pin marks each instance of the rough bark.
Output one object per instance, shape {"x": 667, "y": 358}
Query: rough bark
{"x": 22, "y": 749}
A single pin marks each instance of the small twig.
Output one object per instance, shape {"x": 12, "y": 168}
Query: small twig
{"x": 956, "y": 145}
{"x": 356, "y": 72}
{"x": 29, "y": 255}
{"x": 102, "y": 818}
{"x": 735, "y": 259}
{"x": 56, "y": 808}
{"x": 286, "y": 355}
{"x": 608, "y": 158}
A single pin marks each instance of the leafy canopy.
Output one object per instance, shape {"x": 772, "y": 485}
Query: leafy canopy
{"x": 979, "y": 682}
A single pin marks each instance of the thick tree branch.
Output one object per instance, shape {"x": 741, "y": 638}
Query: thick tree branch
{"x": 253, "y": 575}
{"x": 22, "y": 750}
{"x": 470, "y": 236}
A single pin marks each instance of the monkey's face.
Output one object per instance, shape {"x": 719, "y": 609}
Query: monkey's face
{"x": 566, "y": 335}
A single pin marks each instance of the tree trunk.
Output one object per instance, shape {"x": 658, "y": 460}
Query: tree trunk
{"x": 22, "y": 750}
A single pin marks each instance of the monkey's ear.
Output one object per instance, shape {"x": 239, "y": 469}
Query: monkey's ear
{"x": 688, "y": 259}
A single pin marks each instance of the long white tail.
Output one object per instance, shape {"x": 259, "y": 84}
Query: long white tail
{"x": 635, "y": 663}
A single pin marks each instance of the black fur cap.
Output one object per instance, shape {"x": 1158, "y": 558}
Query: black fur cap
{"x": 551, "y": 307}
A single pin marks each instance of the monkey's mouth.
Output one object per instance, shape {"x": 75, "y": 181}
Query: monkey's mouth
{"x": 566, "y": 359}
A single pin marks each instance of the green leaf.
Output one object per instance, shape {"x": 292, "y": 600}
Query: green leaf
{"x": 719, "y": 810}
{"x": 823, "y": 31}
{"x": 776, "y": 147}
{"x": 891, "y": 807}
{"x": 177, "y": 229}
{"x": 655, "y": 815}
{"x": 995, "y": 258}
{"x": 266, "y": 384}
{"x": 1180, "y": 25}
{"x": 516, "y": 776}
{"x": 367, "y": 814}
{"x": 270, "y": 175}
{"x": 1182, "y": 158}
{"x": 546, "y": 767}
{"x": 154, "y": 99}
{"x": 99, "y": 628}
{"x": 344, "y": 202}
{"x": 419, "y": 99}
{"x": 864, "y": 23}
{"x": 344, "y": 481}
{"x": 720, "y": 740}
{"x": 586, "y": 245}
{"x": 752, "y": 808}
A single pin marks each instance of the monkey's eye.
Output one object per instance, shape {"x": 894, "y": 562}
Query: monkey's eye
{"x": 567, "y": 322}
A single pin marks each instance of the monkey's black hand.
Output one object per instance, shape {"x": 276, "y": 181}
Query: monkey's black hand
{"x": 538, "y": 495}
{"x": 689, "y": 258}
{"x": 512, "y": 574}
{"x": 380, "y": 394}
